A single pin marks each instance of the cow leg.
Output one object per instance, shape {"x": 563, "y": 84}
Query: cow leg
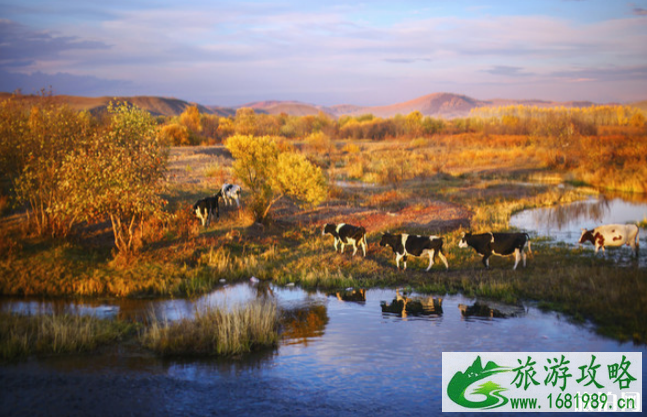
{"x": 397, "y": 260}
{"x": 198, "y": 212}
{"x": 442, "y": 258}
{"x": 516, "y": 258}
{"x": 523, "y": 256}
{"x": 486, "y": 260}
{"x": 431, "y": 259}
{"x": 405, "y": 261}
{"x": 336, "y": 242}
{"x": 342, "y": 246}
{"x": 354, "y": 249}
{"x": 363, "y": 244}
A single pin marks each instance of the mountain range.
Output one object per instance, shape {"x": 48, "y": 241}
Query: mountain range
{"x": 445, "y": 105}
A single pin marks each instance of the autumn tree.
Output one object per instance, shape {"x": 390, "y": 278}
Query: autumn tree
{"x": 118, "y": 174}
{"x": 245, "y": 122}
{"x": 34, "y": 142}
{"x": 175, "y": 134}
{"x": 270, "y": 172}
{"x": 191, "y": 118}
{"x": 414, "y": 123}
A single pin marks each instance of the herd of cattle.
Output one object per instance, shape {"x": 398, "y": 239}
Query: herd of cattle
{"x": 403, "y": 245}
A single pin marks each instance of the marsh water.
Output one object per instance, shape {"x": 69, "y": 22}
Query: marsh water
{"x": 564, "y": 223}
{"x": 374, "y": 352}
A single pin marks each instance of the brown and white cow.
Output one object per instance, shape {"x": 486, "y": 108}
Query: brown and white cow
{"x": 612, "y": 235}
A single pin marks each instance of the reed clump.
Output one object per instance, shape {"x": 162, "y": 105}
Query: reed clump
{"x": 216, "y": 331}
{"x": 43, "y": 334}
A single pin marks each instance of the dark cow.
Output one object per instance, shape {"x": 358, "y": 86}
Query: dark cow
{"x": 404, "y": 245}
{"x": 347, "y": 234}
{"x": 612, "y": 235}
{"x": 205, "y": 208}
{"x": 501, "y": 244}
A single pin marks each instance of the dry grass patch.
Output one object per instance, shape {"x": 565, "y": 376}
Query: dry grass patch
{"x": 56, "y": 333}
{"x": 216, "y": 331}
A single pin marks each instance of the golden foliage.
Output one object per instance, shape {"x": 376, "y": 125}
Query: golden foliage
{"x": 175, "y": 135}
{"x": 271, "y": 171}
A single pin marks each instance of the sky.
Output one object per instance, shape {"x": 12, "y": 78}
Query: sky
{"x": 366, "y": 53}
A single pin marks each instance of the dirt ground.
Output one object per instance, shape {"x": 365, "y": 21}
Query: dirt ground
{"x": 207, "y": 167}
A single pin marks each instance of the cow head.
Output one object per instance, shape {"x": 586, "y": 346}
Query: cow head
{"x": 463, "y": 241}
{"x": 329, "y": 228}
{"x": 387, "y": 239}
{"x": 587, "y": 236}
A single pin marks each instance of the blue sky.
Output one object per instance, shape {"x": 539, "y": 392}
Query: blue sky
{"x": 333, "y": 52}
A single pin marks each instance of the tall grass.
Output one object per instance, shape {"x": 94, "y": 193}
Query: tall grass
{"x": 57, "y": 333}
{"x": 216, "y": 331}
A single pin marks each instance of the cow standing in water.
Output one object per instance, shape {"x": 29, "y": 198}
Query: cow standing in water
{"x": 404, "y": 245}
{"x": 501, "y": 244}
{"x": 612, "y": 235}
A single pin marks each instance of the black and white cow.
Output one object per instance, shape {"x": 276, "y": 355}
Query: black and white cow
{"x": 404, "y": 245}
{"x": 205, "y": 208}
{"x": 501, "y": 244}
{"x": 231, "y": 193}
{"x": 347, "y": 234}
{"x": 612, "y": 235}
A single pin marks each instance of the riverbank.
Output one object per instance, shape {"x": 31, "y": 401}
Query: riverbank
{"x": 292, "y": 251}
{"x": 179, "y": 258}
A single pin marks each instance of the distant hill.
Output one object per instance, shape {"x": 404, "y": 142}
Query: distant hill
{"x": 157, "y": 106}
{"x": 293, "y": 108}
{"x": 448, "y": 106}
{"x": 438, "y": 105}
{"x": 640, "y": 104}
{"x": 443, "y": 105}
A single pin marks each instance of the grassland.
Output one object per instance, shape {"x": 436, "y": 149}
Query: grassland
{"x": 441, "y": 186}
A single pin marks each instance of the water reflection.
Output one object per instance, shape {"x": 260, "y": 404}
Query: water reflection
{"x": 491, "y": 310}
{"x": 404, "y": 305}
{"x": 303, "y": 324}
{"x": 565, "y": 222}
{"x": 353, "y": 295}
{"x": 140, "y": 309}
{"x": 561, "y": 217}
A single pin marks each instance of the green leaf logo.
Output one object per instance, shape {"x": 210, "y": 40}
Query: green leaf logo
{"x": 461, "y": 382}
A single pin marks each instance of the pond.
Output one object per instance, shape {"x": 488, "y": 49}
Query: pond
{"x": 356, "y": 352}
{"x": 564, "y": 223}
